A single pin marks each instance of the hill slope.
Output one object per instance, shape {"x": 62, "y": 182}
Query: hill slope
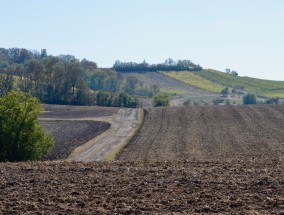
{"x": 209, "y": 132}
{"x": 213, "y": 81}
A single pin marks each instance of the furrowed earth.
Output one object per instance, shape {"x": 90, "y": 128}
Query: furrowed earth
{"x": 209, "y": 132}
{"x": 183, "y": 160}
{"x": 239, "y": 187}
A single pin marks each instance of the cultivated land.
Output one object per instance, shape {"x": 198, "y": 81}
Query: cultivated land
{"x": 184, "y": 160}
{"x": 209, "y": 133}
{"x": 142, "y": 188}
{"x": 214, "y": 81}
{"x": 69, "y": 135}
{"x": 166, "y": 83}
{"x": 78, "y": 131}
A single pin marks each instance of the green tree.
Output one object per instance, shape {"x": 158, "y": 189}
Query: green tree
{"x": 249, "y": 99}
{"x": 225, "y": 92}
{"x": 161, "y": 100}
{"x": 21, "y": 135}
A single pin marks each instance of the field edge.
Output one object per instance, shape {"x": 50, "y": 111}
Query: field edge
{"x": 111, "y": 156}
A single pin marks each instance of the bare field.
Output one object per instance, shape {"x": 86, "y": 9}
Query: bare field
{"x": 73, "y": 112}
{"x": 142, "y": 188}
{"x": 69, "y": 135}
{"x": 88, "y": 133}
{"x": 164, "y": 82}
{"x": 209, "y": 133}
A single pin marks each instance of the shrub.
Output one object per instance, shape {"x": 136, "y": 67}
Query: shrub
{"x": 249, "y": 99}
{"x": 225, "y": 91}
{"x": 161, "y": 100}
{"x": 21, "y": 135}
{"x": 272, "y": 101}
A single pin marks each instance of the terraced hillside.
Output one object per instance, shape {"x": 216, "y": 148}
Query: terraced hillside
{"x": 209, "y": 133}
{"x": 214, "y": 81}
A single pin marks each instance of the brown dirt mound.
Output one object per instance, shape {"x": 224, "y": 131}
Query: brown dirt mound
{"x": 68, "y": 135}
{"x": 209, "y": 133}
{"x": 142, "y": 188}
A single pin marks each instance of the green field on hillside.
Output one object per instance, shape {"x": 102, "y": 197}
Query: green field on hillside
{"x": 259, "y": 87}
{"x": 197, "y": 81}
{"x": 214, "y": 81}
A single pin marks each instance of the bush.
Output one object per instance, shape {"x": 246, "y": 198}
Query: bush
{"x": 249, "y": 99}
{"x": 272, "y": 101}
{"x": 225, "y": 92}
{"x": 217, "y": 101}
{"x": 21, "y": 136}
{"x": 161, "y": 100}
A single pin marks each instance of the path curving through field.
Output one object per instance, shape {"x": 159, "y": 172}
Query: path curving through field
{"x": 122, "y": 125}
{"x": 122, "y": 121}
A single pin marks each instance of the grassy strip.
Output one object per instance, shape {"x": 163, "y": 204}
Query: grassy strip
{"x": 260, "y": 87}
{"x": 113, "y": 154}
{"x": 196, "y": 81}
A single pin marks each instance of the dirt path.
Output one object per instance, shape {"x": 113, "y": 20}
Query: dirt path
{"x": 123, "y": 122}
{"x": 122, "y": 125}
{"x": 69, "y": 134}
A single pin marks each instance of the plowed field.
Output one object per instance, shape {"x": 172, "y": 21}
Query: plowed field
{"x": 209, "y": 133}
{"x": 142, "y": 188}
{"x": 69, "y": 135}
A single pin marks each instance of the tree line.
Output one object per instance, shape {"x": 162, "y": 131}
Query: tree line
{"x": 168, "y": 65}
{"x": 64, "y": 79}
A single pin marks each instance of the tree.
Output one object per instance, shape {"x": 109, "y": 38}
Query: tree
{"x": 6, "y": 84}
{"x": 272, "y": 101}
{"x": 161, "y": 100}
{"x": 225, "y": 92}
{"x": 21, "y": 136}
{"x": 249, "y": 99}
{"x": 234, "y": 73}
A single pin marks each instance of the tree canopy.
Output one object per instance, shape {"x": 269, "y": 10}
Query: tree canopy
{"x": 161, "y": 100}
{"x": 168, "y": 65}
{"x": 21, "y": 136}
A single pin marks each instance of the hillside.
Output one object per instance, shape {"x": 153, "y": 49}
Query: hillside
{"x": 212, "y": 81}
{"x": 165, "y": 83}
{"x": 209, "y": 133}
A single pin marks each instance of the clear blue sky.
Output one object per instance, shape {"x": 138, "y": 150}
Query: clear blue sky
{"x": 244, "y": 35}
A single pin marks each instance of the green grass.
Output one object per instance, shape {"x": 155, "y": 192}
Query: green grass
{"x": 197, "y": 81}
{"x": 265, "y": 88}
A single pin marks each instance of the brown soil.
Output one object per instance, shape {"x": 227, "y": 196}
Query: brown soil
{"x": 73, "y": 112}
{"x": 69, "y": 135}
{"x": 142, "y": 188}
{"x": 164, "y": 82}
{"x": 79, "y": 131}
{"x": 209, "y": 133}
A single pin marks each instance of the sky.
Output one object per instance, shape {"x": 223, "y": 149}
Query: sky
{"x": 243, "y": 35}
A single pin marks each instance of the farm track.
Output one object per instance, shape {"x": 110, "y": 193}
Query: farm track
{"x": 88, "y": 141}
{"x": 70, "y": 134}
{"x": 177, "y": 187}
{"x": 209, "y": 133}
